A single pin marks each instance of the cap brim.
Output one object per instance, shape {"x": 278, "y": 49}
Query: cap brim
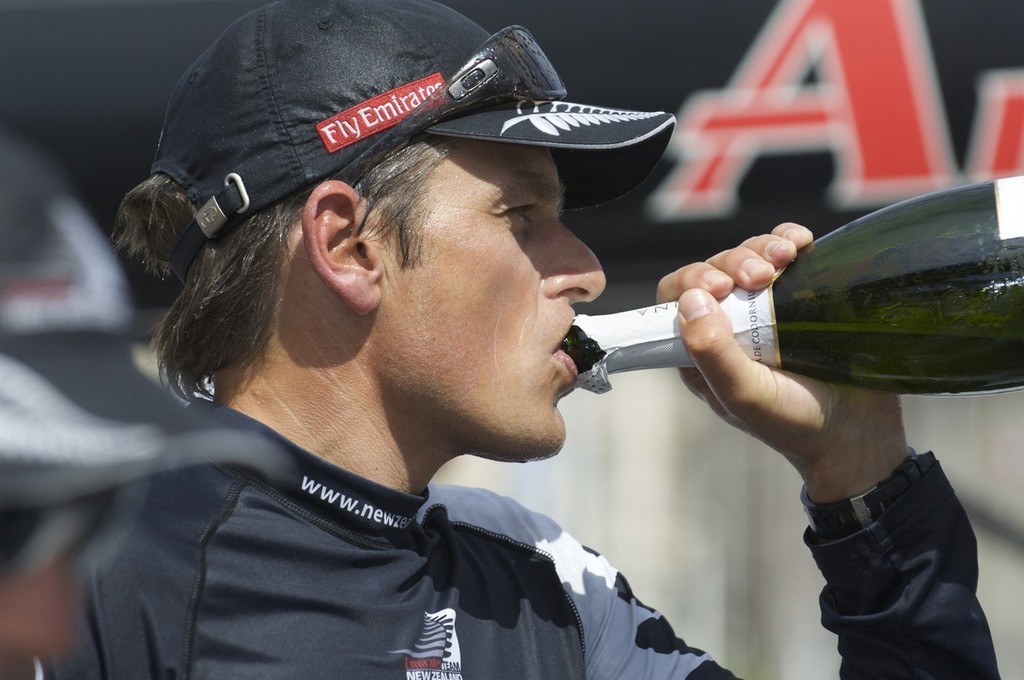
{"x": 83, "y": 419}
{"x": 601, "y": 153}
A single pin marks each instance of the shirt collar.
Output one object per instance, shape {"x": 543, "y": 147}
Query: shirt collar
{"x": 333, "y": 492}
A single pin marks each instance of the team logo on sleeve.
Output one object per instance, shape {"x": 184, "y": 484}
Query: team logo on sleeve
{"x": 435, "y": 655}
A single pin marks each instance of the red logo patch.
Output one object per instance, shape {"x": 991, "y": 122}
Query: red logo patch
{"x": 377, "y": 114}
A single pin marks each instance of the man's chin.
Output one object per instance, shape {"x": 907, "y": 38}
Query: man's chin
{"x": 527, "y": 452}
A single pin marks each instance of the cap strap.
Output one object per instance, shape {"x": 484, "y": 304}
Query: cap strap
{"x": 209, "y": 221}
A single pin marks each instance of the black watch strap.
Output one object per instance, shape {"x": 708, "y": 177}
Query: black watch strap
{"x": 832, "y": 521}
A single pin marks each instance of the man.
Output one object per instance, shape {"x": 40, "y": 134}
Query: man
{"x": 363, "y": 202}
{"x": 78, "y": 423}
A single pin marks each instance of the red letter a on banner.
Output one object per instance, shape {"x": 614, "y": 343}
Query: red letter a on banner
{"x": 874, "y": 104}
{"x": 997, "y": 148}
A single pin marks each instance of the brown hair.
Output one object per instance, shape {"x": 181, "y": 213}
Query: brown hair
{"x": 225, "y": 313}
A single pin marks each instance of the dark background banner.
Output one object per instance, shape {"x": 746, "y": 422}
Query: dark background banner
{"x": 808, "y": 107}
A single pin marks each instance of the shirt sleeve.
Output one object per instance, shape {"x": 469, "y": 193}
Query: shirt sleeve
{"x": 901, "y": 593}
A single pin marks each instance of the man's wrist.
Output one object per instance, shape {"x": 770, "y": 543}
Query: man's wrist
{"x": 833, "y": 521}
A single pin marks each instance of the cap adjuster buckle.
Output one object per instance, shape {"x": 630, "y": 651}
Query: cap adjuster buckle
{"x": 208, "y": 222}
{"x": 211, "y": 218}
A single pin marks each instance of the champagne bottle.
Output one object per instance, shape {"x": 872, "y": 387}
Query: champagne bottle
{"x": 925, "y": 296}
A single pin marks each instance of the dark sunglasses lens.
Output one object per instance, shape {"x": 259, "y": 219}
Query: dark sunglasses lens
{"x": 536, "y": 77}
{"x": 30, "y": 537}
{"x": 17, "y": 527}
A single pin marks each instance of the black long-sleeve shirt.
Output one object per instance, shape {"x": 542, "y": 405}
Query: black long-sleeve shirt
{"x": 329, "y": 575}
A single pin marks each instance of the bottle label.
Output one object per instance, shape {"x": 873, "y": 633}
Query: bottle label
{"x": 1010, "y": 207}
{"x": 753, "y": 323}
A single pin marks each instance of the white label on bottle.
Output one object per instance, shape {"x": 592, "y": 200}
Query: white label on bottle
{"x": 753, "y": 323}
{"x": 632, "y": 340}
{"x": 649, "y": 337}
{"x": 1010, "y": 207}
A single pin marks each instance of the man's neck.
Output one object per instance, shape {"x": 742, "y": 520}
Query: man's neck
{"x": 328, "y": 415}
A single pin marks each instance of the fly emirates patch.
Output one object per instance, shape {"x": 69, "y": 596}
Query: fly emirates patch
{"x": 353, "y": 505}
{"x": 376, "y": 115}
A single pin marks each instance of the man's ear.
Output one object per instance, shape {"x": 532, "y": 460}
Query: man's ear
{"x": 347, "y": 263}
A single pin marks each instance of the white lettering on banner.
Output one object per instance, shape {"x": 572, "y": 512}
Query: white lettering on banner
{"x": 353, "y": 505}
{"x": 884, "y": 126}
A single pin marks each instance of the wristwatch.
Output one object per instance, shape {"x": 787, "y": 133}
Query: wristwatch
{"x": 833, "y": 521}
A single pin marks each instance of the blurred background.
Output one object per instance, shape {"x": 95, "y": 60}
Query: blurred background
{"x": 815, "y": 111}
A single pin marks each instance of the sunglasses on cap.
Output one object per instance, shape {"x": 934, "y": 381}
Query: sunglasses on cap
{"x": 510, "y": 66}
{"x": 33, "y": 537}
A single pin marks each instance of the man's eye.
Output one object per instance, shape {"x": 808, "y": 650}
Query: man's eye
{"x": 520, "y": 216}
{"x": 521, "y": 211}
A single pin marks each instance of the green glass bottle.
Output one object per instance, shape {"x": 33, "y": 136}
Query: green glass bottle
{"x": 923, "y": 297}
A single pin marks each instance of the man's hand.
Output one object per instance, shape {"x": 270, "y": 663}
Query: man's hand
{"x": 842, "y": 440}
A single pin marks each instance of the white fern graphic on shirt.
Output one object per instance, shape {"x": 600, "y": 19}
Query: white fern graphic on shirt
{"x": 557, "y": 117}
{"x": 437, "y": 638}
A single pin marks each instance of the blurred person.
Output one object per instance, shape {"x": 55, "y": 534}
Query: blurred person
{"x": 363, "y": 201}
{"x": 79, "y": 425}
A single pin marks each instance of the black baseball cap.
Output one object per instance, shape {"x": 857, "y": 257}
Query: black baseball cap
{"x": 79, "y": 422}
{"x": 302, "y": 90}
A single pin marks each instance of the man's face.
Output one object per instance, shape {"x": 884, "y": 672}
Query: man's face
{"x": 474, "y": 330}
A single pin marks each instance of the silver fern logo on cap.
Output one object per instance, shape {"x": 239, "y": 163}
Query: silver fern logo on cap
{"x": 553, "y": 118}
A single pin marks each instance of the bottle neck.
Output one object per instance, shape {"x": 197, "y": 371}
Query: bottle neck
{"x": 649, "y": 337}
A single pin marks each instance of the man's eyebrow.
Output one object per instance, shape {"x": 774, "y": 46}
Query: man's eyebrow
{"x": 536, "y": 184}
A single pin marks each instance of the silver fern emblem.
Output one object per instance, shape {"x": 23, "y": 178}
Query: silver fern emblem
{"x": 553, "y": 118}
{"x": 437, "y": 640}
